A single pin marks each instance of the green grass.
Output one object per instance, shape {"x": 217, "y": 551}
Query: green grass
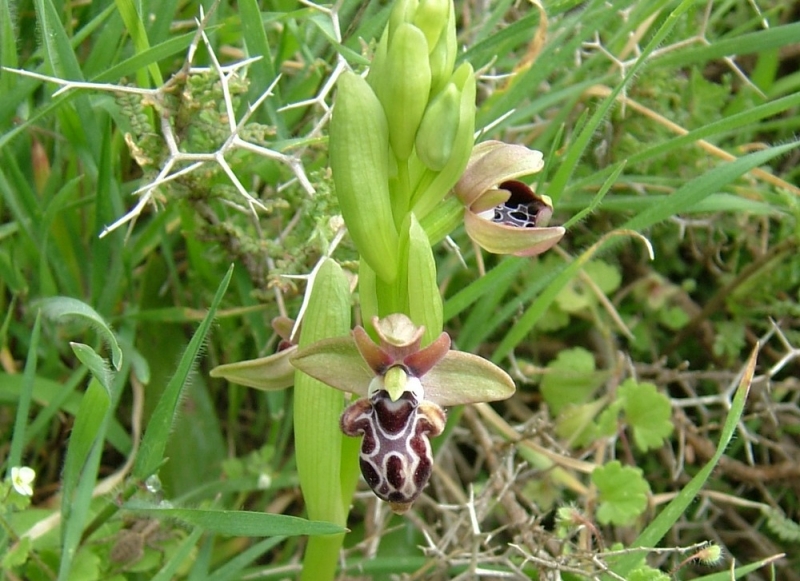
{"x": 673, "y": 121}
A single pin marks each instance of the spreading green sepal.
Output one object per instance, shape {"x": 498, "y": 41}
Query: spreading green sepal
{"x": 448, "y": 377}
{"x": 266, "y": 373}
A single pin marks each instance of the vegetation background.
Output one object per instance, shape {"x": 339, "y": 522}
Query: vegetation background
{"x": 673, "y": 120}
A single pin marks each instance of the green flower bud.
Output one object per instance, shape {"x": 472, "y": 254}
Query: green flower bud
{"x": 445, "y": 217}
{"x": 359, "y": 158}
{"x": 377, "y": 69}
{"x": 402, "y": 13}
{"x": 437, "y": 131}
{"x": 431, "y": 192}
{"x": 404, "y": 87}
{"x": 432, "y": 18}
{"x": 443, "y": 55}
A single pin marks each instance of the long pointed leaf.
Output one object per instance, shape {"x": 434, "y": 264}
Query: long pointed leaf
{"x": 151, "y": 452}
{"x": 241, "y": 523}
{"x": 656, "y": 530}
{"x": 25, "y": 396}
{"x": 80, "y": 470}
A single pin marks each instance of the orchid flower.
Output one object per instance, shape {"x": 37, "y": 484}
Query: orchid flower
{"x": 503, "y": 215}
{"x": 403, "y": 388}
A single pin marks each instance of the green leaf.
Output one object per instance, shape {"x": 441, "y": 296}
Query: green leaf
{"x": 240, "y": 523}
{"x": 499, "y": 276}
{"x": 647, "y": 412}
{"x": 577, "y": 295}
{"x": 61, "y": 307}
{"x": 17, "y": 555}
{"x": 80, "y": 470}
{"x": 179, "y": 557}
{"x": 234, "y": 567}
{"x": 570, "y": 379}
{"x": 782, "y": 526}
{"x": 96, "y": 364}
{"x": 622, "y": 493}
{"x": 750, "y": 43}
{"x": 607, "y": 422}
{"x": 673, "y": 318}
{"x": 606, "y": 276}
{"x": 554, "y": 286}
{"x": 581, "y": 142}
{"x": 576, "y": 423}
{"x": 261, "y": 72}
{"x": 317, "y": 408}
{"x": 701, "y": 187}
{"x": 154, "y": 442}
{"x": 133, "y": 22}
{"x": 24, "y": 397}
{"x": 86, "y": 566}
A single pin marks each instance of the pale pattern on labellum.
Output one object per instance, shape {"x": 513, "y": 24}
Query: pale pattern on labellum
{"x": 396, "y": 458}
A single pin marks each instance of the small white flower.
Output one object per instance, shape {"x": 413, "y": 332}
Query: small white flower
{"x": 22, "y": 479}
{"x": 264, "y": 481}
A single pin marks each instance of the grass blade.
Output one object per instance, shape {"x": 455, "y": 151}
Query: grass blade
{"x": 151, "y": 452}
{"x": 588, "y": 132}
{"x": 240, "y": 523}
{"x": 80, "y": 470}
{"x": 25, "y": 396}
{"x": 133, "y": 22}
{"x": 656, "y": 530}
{"x": 703, "y": 186}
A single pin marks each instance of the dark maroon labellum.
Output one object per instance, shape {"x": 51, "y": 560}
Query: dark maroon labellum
{"x": 396, "y": 458}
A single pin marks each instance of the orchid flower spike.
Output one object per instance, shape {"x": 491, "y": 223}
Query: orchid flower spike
{"x": 403, "y": 388}
{"x": 503, "y": 215}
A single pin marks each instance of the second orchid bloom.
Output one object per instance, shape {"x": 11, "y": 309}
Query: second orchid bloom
{"x": 503, "y": 215}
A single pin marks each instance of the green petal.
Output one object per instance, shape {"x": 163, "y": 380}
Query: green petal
{"x": 462, "y": 378}
{"x": 501, "y": 239}
{"x": 336, "y": 362}
{"x": 490, "y": 199}
{"x": 267, "y": 373}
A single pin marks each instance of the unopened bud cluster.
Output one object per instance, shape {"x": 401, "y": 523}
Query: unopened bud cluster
{"x": 400, "y": 139}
